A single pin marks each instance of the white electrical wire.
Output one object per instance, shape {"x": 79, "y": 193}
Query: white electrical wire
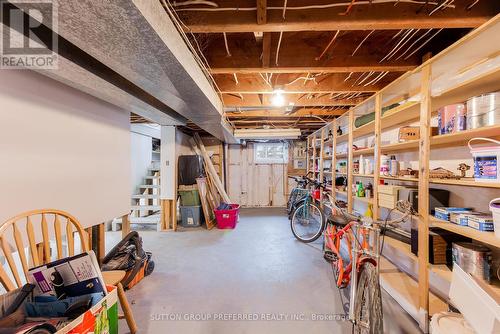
{"x": 405, "y": 35}
{"x": 377, "y": 79}
{"x": 236, "y": 79}
{"x": 364, "y": 39}
{"x": 369, "y": 75}
{"x": 339, "y": 4}
{"x": 427, "y": 41}
{"x": 278, "y": 48}
{"x": 194, "y": 2}
{"x": 198, "y": 55}
{"x": 413, "y": 44}
{"x": 348, "y": 77}
{"x": 407, "y": 40}
{"x": 227, "y": 46}
{"x": 445, "y": 2}
{"x": 284, "y": 9}
{"x": 329, "y": 45}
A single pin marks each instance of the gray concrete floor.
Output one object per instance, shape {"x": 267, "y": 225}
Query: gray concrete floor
{"x": 205, "y": 280}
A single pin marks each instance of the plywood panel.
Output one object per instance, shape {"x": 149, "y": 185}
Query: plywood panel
{"x": 255, "y": 185}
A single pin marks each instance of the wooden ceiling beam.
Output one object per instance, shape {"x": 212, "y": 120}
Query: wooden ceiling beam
{"x": 314, "y": 69}
{"x": 300, "y": 84}
{"x": 302, "y": 112}
{"x": 376, "y": 16}
{"x": 298, "y": 100}
{"x": 261, "y": 12}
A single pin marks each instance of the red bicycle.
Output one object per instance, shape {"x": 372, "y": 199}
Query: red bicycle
{"x": 352, "y": 245}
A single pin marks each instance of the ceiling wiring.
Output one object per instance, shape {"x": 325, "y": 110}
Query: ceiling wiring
{"x": 414, "y": 43}
{"x": 364, "y": 39}
{"x": 329, "y": 45}
{"x": 331, "y": 5}
{"x": 278, "y": 48}
{"x": 226, "y": 45}
{"x": 422, "y": 45}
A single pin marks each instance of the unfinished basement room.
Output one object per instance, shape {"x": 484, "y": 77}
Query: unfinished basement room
{"x": 249, "y": 166}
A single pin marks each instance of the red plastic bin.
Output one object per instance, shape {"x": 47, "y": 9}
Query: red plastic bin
{"x": 227, "y": 218}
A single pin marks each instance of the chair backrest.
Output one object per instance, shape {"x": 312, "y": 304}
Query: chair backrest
{"x": 39, "y": 254}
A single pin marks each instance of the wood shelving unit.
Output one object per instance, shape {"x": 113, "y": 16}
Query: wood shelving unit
{"x": 444, "y": 79}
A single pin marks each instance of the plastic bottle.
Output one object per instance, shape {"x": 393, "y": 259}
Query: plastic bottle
{"x": 369, "y": 211}
{"x": 361, "y": 164}
{"x": 384, "y": 164}
{"x": 394, "y": 166}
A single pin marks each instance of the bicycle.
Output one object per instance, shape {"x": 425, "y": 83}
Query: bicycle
{"x": 307, "y": 218}
{"x": 365, "y": 301}
{"x": 297, "y": 193}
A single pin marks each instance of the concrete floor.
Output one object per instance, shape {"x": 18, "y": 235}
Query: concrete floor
{"x": 205, "y": 280}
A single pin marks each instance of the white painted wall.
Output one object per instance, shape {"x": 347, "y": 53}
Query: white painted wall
{"x": 61, "y": 148}
{"x": 140, "y": 150}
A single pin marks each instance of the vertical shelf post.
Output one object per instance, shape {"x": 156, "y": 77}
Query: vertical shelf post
{"x": 321, "y": 155}
{"x": 423, "y": 202}
{"x": 376, "y": 153}
{"x": 308, "y": 159}
{"x": 350, "y": 177}
{"x": 334, "y": 158}
{"x": 313, "y": 144}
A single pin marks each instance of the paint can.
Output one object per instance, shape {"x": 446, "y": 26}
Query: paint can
{"x": 483, "y": 110}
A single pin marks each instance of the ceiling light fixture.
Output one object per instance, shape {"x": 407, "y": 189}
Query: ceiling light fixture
{"x": 278, "y": 99}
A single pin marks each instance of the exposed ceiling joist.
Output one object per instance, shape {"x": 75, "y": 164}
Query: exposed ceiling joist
{"x": 298, "y": 100}
{"x": 381, "y": 16}
{"x": 302, "y": 112}
{"x": 261, "y": 11}
{"x": 315, "y": 69}
{"x": 296, "y": 83}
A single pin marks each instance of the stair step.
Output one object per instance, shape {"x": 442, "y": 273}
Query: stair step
{"x": 145, "y": 220}
{"x": 146, "y": 196}
{"x": 149, "y": 186}
{"x": 146, "y": 207}
{"x": 152, "y": 177}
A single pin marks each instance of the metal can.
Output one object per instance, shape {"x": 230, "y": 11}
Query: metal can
{"x": 473, "y": 259}
{"x": 483, "y": 110}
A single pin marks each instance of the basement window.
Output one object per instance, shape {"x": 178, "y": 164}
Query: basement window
{"x": 271, "y": 153}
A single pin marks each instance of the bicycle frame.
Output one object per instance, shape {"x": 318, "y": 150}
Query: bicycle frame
{"x": 360, "y": 249}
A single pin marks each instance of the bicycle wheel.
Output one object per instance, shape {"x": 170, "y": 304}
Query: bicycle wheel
{"x": 368, "y": 314}
{"x": 291, "y": 201}
{"x": 308, "y": 221}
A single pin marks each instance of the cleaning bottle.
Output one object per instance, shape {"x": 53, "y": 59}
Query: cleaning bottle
{"x": 369, "y": 211}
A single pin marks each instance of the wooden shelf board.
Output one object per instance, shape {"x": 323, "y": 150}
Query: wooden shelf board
{"x": 402, "y": 179}
{"x": 341, "y": 192}
{"x": 366, "y": 151}
{"x": 468, "y": 182}
{"x": 341, "y": 155}
{"x": 402, "y": 114}
{"x": 363, "y": 175}
{"x": 462, "y": 137}
{"x": 482, "y": 236}
{"x": 481, "y": 84}
{"x": 342, "y": 138}
{"x": 364, "y": 130}
{"x": 396, "y": 147}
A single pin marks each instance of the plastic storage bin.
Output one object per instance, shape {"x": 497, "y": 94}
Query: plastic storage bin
{"x": 479, "y": 308}
{"x": 190, "y": 197}
{"x": 495, "y": 210}
{"x": 486, "y": 159}
{"x": 227, "y": 218}
{"x": 191, "y": 216}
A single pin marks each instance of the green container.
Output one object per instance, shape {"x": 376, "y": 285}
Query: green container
{"x": 190, "y": 197}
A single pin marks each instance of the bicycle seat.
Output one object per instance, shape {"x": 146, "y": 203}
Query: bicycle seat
{"x": 337, "y": 220}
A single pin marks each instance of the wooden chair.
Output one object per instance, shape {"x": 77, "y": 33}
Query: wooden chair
{"x": 41, "y": 253}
